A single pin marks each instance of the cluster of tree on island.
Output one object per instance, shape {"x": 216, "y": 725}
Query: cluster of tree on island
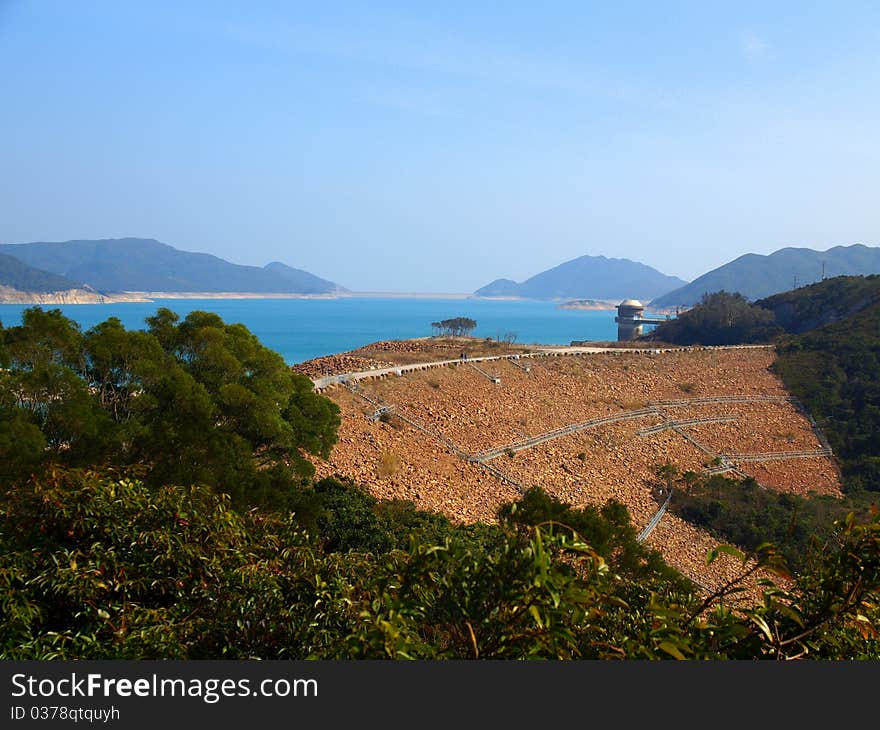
{"x": 156, "y": 502}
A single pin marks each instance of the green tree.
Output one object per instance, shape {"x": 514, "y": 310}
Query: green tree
{"x": 192, "y": 401}
{"x": 457, "y": 326}
{"x": 721, "y": 318}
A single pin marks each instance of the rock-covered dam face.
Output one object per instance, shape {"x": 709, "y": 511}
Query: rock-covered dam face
{"x": 587, "y": 428}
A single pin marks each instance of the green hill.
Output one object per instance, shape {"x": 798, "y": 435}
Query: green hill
{"x": 824, "y": 303}
{"x": 756, "y": 276}
{"x": 835, "y": 371}
{"x": 15, "y": 274}
{"x": 141, "y": 264}
{"x": 595, "y": 277}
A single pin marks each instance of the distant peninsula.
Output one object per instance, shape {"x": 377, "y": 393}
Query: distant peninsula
{"x": 10, "y": 295}
{"x": 23, "y": 284}
{"x": 140, "y": 269}
{"x": 594, "y": 277}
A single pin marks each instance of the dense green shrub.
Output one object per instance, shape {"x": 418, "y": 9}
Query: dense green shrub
{"x": 744, "y": 513}
{"x": 834, "y": 371}
{"x": 721, "y": 318}
{"x": 101, "y": 567}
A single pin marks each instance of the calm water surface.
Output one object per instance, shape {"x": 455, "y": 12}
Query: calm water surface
{"x": 300, "y": 329}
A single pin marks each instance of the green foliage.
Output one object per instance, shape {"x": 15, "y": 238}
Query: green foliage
{"x": 456, "y": 326}
{"x": 196, "y": 401}
{"x": 745, "y": 514}
{"x": 835, "y": 371}
{"x": 721, "y": 318}
{"x": 345, "y": 517}
{"x": 829, "y": 301}
{"x": 22, "y": 445}
{"x": 511, "y": 598}
{"x": 608, "y": 530}
{"x": 348, "y": 519}
{"x": 100, "y": 567}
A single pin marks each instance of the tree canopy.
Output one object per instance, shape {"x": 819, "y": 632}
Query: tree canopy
{"x": 96, "y": 567}
{"x": 456, "y": 326}
{"x": 720, "y": 318}
{"x": 834, "y": 370}
{"x": 196, "y": 401}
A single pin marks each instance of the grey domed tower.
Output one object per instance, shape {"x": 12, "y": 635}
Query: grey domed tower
{"x": 629, "y": 316}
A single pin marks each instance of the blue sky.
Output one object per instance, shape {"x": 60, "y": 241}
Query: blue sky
{"x": 436, "y": 146}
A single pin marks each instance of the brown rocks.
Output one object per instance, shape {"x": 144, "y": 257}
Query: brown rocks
{"x": 336, "y": 364}
{"x": 589, "y": 466}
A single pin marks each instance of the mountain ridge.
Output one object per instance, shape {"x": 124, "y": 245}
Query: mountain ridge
{"x": 145, "y": 264}
{"x": 594, "y": 277}
{"x": 18, "y": 275}
{"x": 757, "y": 276}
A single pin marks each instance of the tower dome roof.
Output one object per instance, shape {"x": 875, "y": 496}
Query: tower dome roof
{"x": 631, "y": 303}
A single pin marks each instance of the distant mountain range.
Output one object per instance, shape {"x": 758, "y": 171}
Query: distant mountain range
{"x": 18, "y": 275}
{"x": 595, "y": 277}
{"x": 756, "y": 276}
{"x": 23, "y": 284}
{"x": 104, "y": 270}
{"x": 146, "y": 265}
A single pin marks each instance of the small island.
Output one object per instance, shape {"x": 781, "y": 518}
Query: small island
{"x": 591, "y": 304}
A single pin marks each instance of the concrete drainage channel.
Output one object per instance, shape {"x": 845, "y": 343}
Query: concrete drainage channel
{"x": 491, "y": 378}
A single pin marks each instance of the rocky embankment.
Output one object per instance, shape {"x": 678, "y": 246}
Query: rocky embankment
{"x": 387, "y": 353}
{"x": 446, "y": 415}
{"x": 335, "y": 364}
{"x": 8, "y": 295}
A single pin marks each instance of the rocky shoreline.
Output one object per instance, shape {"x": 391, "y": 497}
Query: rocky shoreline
{"x": 8, "y": 295}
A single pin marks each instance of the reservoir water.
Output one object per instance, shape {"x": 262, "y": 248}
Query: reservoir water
{"x": 300, "y": 329}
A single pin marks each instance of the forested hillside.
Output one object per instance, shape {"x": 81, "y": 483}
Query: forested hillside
{"x": 832, "y": 300}
{"x": 155, "y": 502}
{"x": 835, "y": 371}
{"x": 719, "y": 319}
{"x": 20, "y": 276}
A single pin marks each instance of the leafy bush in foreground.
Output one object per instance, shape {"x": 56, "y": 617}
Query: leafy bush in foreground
{"x": 99, "y": 567}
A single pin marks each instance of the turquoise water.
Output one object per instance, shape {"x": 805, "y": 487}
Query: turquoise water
{"x": 300, "y": 329}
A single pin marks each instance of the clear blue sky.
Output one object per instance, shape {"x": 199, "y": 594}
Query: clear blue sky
{"x": 436, "y": 146}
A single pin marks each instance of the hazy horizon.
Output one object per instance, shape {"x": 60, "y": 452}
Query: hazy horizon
{"x": 391, "y": 148}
